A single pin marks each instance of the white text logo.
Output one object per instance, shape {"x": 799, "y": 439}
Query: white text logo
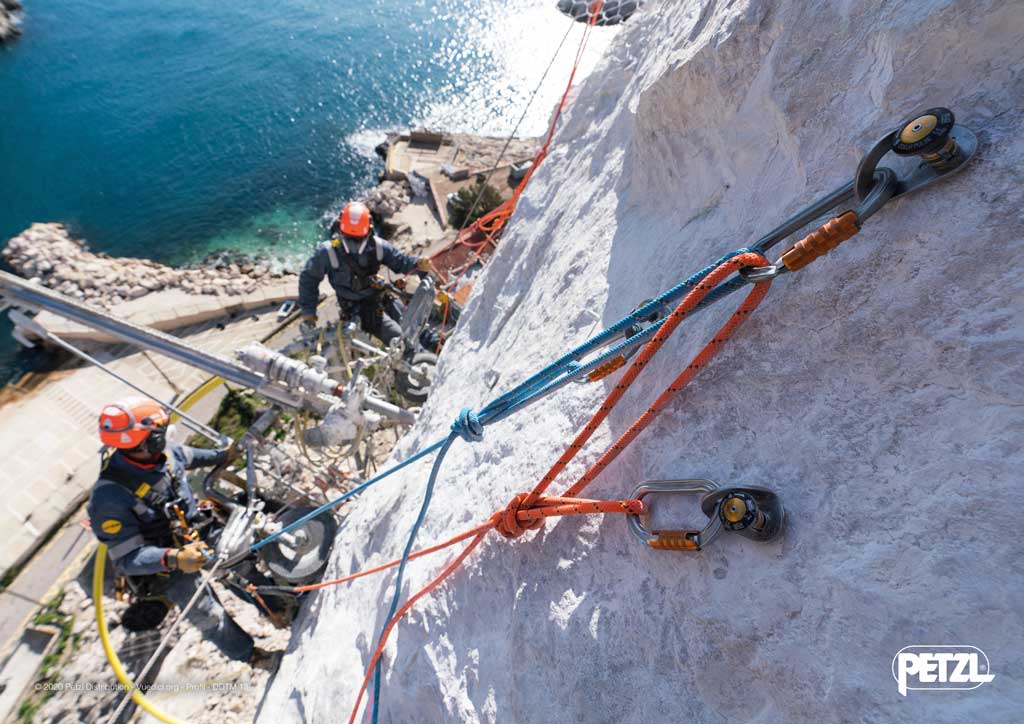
{"x": 940, "y": 667}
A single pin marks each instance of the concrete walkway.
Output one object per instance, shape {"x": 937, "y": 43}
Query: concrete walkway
{"x": 50, "y": 568}
{"x": 174, "y": 309}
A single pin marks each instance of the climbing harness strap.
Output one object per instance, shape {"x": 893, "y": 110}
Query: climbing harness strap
{"x": 332, "y": 255}
{"x": 139, "y": 506}
{"x": 332, "y": 246}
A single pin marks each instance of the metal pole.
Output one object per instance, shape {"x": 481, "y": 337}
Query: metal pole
{"x": 21, "y": 293}
{"x": 25, "y": 321}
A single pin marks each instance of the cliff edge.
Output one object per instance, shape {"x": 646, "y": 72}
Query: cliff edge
{"x": 877, "y": 391}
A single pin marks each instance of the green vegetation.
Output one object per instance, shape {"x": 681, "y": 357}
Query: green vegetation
{"x": 50, "y": 615}
{"x": 237, "y": 412}
{"x": 462, "y": 203}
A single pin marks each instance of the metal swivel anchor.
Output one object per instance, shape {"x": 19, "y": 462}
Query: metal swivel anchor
{"x": 930, "y": 136}
{"x": 750, "y": 511}
{"x": 753, "y": 512}
{"x": 943, "y": 146}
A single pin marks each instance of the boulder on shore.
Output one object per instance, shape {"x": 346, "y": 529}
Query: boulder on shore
{"x": 10, "y": 20}
{"x": 48, "y": 255}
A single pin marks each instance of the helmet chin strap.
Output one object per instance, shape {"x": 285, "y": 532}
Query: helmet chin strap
{"x": 155, "y": 441}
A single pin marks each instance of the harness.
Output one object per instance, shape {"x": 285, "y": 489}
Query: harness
{"x": 361, "y": 274}
{"x": 147, "y": 498}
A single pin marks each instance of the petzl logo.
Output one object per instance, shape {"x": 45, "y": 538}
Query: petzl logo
{"x": 933, "y": 667}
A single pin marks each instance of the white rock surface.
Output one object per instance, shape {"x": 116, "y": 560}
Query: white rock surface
{"x": 878, "y": 392}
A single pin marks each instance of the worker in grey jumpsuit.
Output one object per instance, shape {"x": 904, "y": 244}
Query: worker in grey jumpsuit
{"x": 350, "y": 260}
{"x": 140, "y": 488}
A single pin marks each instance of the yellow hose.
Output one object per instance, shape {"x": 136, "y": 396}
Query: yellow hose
{"x": 197, "y": 394}
{"x": 115, "y": 662}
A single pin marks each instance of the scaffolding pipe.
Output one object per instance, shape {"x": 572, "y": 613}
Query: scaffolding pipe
{"x": 22, "y": 293}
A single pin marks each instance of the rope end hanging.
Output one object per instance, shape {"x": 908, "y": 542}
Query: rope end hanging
{"x": 468, "y": 426}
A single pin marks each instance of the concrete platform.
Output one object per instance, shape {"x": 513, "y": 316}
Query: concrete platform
{"x": 419, "y": 151}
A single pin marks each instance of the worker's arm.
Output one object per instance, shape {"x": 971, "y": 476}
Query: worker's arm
{"x": 395, "y": 260}
{"x": 309, "y": 282}
{"x": 197, "y": 457}
{"x": 114, "y": 523}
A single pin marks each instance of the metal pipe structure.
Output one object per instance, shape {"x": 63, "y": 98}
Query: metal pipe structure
{"x": 24, "y": 321}
{"x": 21, "y": 293}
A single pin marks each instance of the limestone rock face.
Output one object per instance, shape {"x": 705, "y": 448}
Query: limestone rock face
{"x": 878, "y": 391}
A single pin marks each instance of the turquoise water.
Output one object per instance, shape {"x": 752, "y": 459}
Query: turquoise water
{"x": 170, "y": 129}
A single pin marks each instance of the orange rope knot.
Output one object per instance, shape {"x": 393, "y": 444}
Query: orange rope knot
{"x": 527, "y": 511}
{"x": 507, "y": 521}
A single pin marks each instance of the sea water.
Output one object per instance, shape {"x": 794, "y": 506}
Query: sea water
{"x": 169, "y": 129}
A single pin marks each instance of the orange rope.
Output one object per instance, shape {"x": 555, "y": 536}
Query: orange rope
{"x": 527, "y": 511}
{"x": 274, "y": 618}
{"x": 391, "y": 564}
{"x": 493, "y": 222}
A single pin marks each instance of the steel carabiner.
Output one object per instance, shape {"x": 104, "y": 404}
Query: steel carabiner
{"x": 753, "y": 512}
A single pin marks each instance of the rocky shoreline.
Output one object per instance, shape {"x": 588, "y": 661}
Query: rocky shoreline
{"x": 47, "y": 254}
{"x": 10, "y": 20}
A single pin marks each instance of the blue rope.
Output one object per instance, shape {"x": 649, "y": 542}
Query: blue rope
{"x": 565, "y": 369}
{"x": 470, "y": 425}
{"x": 568, "y": 368}
{"x": 467, "y": 426}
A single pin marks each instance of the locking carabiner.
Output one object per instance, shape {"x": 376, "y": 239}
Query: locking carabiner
{"x": 675, "y": 540}
{"x": 751, "y": 511}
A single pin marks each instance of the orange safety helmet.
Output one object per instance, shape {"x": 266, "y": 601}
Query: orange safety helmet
{"x": 354, "y": 220}
{"x": 126, "y": 424}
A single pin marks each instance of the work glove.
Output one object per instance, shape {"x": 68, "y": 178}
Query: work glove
{"x": 425, "y": 269}
{"x": 189, "y": 559}
{"x": 307, "y": 327}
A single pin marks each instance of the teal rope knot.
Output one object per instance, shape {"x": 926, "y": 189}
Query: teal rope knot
{"x": 468, "y": 426}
